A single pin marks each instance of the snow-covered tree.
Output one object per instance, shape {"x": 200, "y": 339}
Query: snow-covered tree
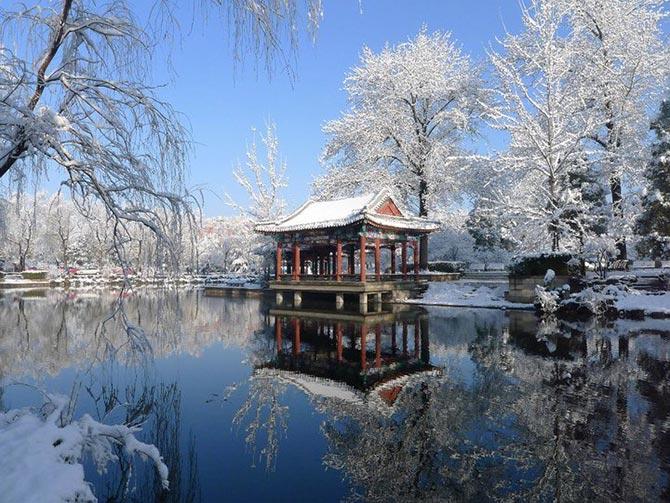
{"x": 227, "y": 244}
{"x": 653, "y": 225}
{"x": 622, "y": 45}
{"x": 25, "y": 223}
{"x": 588, "y": 214}
{"x": 452, "y": 242}
{"x": 262, "y": 180}
{"x": 487, "y": 232}
{"x": 77, "y": 97}
{"x": 540, "y": 104}
{"x": 411, "y": 108}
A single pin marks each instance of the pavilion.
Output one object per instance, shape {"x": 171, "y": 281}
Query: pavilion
{"x": 323, "y": 247}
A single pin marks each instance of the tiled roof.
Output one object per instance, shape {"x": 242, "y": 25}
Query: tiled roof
{"x": 342, "y": 212}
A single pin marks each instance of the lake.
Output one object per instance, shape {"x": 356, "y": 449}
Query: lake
{"x": 250, "y": 403}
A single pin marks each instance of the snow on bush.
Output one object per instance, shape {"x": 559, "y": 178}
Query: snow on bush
{"x": 549, "y": 277}
{"x": 42, "y": 452}
{"x": 546, "y": 301}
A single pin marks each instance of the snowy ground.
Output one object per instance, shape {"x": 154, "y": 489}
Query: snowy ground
{"x": 467, "y": 294}
{"x": 651, "y": 304}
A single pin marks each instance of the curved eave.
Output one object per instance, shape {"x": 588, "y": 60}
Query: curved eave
{"x": 275, "y": 228}
{"x": 416, "y": 224}
{"x": 413, "y": 224}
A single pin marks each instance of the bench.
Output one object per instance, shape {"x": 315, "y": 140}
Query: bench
{"x": 619, "y": 265}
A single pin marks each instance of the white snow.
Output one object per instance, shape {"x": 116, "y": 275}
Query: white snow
{"x": 549, "y": 276}
{"x": 337, "y": 209}
{"x": 337, "y": 212}
{"x": 649, "y": 302}
{"x": 317, "y": 386}
{"x": 464, "y": 294}
{"x": 323, "y": 213}
{"x": 41, "y": 452}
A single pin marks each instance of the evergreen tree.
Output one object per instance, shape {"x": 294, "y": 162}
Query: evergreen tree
{"x": 487, "y": 231}
{"x": 585, "y": 214}
{"x": 653, "y": 224}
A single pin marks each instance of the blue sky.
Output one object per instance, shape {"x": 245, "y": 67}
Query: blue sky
{"x": 223, "y": 103}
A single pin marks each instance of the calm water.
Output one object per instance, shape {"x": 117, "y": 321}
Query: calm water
{"x": 247, "y": 403}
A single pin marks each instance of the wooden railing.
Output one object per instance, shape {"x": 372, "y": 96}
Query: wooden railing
{"x": 349, "y": 277}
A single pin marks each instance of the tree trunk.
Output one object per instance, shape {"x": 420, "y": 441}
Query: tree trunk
{"x": 423, "y": 212}
{"x": 21, "y": 146}
{"x": 617, "y": 211}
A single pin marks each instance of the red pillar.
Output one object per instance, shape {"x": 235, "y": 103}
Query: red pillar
{"x": 404, "y": 259}
{"x": 378, "y": 259}
{"x": 338, "y": 333}
{"x": 278, "y": 333}
{"x": 362, "y": 268}
{"x": 278, "y": 261}
{"x": 392, "y": 258}
{"x": 338, "y": 261}
{"x": 296, "y": 261}
{"x": 364, "y": 333}
{"x": 416, "y": 259}
{"x": 296, "y": 337}
{"x": 404, "y": 338}
{"x": 378, "y": 346}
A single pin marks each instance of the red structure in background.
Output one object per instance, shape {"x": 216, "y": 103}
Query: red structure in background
{"x": 314, "y": 241}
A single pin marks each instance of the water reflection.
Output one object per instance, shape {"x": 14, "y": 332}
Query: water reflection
{"x": 406, "y": 404}
{"x": 560, "y": 412}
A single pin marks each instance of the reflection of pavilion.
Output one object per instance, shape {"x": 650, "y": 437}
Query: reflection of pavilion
{"x": 348, "y": 355}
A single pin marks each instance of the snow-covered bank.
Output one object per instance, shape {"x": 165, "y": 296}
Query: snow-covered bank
{"x": 467, "y": 294}
{"x": 651, "y": 304}
{"x": 42, "y": 452}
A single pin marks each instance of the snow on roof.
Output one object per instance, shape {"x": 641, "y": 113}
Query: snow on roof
{"x": 316, "y": 386}
{"x": 341, "y": 212}
{"x": 320, "y": 387}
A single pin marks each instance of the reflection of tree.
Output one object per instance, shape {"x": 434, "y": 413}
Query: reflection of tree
{"x": 65, "y": 329}
{"x": 552, "y": 413}
{"x": 578, "y": 437}
{"x": 428, "y": 449}
{"x": 655, "y": 388}
{"x": 43, "y": 335}
{"x": 262, "y": 412}
{"x": 157, "y": 409}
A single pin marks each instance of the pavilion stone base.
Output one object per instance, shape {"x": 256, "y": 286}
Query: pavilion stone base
{"x": 370, "y": 295}
{"x": 522, "y": 288}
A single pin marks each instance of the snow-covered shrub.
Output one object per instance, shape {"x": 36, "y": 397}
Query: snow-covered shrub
{"x": 42, "y": 452}
{"x": 597, "y": 300}
{"x": 549, "y": 277}
{"x": 537, "y": 265}
{"x": 546, "y": 301}
{"x": 446, "y": 266}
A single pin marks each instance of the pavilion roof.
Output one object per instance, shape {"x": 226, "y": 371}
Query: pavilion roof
{"x": 342, "y": 212}
{"x": 376, "y": 397}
